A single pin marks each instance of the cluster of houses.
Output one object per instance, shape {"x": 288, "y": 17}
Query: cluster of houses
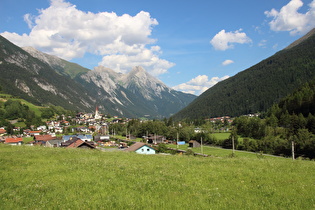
{"x": 221, "y": 119}
{"x": 46, "y": 135}
{"x": 77, "y": 141}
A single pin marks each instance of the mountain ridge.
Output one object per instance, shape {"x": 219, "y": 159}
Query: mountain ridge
{"x": 72, "y": 86}
{"x": 33, "y": 80}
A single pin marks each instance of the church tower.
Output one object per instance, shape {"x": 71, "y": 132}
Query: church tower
{"x": 97, "y": 115}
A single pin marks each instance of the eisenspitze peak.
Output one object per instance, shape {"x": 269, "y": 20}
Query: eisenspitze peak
{"x": 139, "y": 75}
{"x": 139, "y": 72}
{"x": 138, "y": 69}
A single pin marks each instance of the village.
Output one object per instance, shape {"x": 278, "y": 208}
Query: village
{"x": 92, "y": 131}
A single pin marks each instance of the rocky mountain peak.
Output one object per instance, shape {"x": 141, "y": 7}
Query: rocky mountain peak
{"x": 49, "y": 59}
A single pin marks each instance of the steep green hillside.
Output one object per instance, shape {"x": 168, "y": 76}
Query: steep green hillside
{"x": 73, "y": 69}
{"x": 32, "y": 107}
{"x": 257, "y": 88}
{"x": 300, "y": 101}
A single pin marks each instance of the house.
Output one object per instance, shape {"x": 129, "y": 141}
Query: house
{"x": 34, "y": 133}
{"x": 2, "y": 131}
{"x": 81, "y": 144}
{"x": 76, "y": 142}
{"x": 82, "y": 137}
{"x": 13, "y": 140}
{"x": 45, "y": 138}
{"x": 154, "y": 139}
{"x": 141, "y": 148}
{"x": 53, "y": 143}
{"x": 42, "y": 128}
{"x": 198, "y": 130}
{"x": 194, "y": 143}
{"x": 101, "y": 138}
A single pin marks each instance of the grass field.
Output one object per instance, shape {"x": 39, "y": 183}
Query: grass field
{"x": 57, "y": 178}
{"x": 221, "y": 136}
{"x": 220, "y": 152}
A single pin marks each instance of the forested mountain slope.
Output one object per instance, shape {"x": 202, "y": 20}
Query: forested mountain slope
{"x": 258, "y": 87}
{"x": 301, "y": 101}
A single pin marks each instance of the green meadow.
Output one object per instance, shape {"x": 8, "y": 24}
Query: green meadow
{"x": 59, "y": 178}
{"x": 220, "y": 152}
{"x": 32, "y": 107}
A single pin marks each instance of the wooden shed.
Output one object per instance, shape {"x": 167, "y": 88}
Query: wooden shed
{"x": 194, "y": 143}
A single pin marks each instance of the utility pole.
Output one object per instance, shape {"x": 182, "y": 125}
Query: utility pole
{"x": 177, "y": 141}
{"x": 201, "y": 146}
{"x": 293, "y": 155}
{"x": 233, "y": 144}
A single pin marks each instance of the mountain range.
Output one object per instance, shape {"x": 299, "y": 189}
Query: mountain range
{"x": 257, "y": 88}
{"x": 45, "y": 79}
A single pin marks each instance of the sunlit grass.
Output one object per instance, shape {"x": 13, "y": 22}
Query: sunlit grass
{"x": 220, "y": 152}
{"x": 58, "y": 178}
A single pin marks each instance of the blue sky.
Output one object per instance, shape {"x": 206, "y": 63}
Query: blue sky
{"x": 189, "y": 45}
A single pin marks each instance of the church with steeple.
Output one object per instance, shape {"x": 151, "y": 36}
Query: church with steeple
{"x": 97, "y": 114}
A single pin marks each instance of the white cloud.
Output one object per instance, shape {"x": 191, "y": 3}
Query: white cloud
{"x": 227, "y": 62}
{"x": 199, "y": 84}
{"x": 289, "y": 19}
{"x": 64, "y": 31}
{"x": 224, "y": 40}
{"x": 262, "y": 43}
{"x": 145, "y": 58}
{"x": 28, "y": 18}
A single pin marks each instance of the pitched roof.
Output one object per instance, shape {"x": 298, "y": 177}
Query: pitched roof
{"x": 13, "y": 140}
{"x": 44, "y": 137}
{"x": 33, "y": 132}
{"x": 76, "y": 143}
{"x": 2, "y": 131}
{"x": 136, "y": 146}
{"x": 79, "y": 143}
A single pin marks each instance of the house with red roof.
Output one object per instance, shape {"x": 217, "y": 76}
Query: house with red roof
{"x": 2, "y": 131}
{"x": 13, "y": 140}
{"x": 75, "y": 142}
{"x": 46, "y": 137}
{"x": 33, "y": 133}
{"x": 81, "y": 144}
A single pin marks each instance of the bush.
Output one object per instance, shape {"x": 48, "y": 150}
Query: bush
{"x": 189, "y": 152}
{"x": 161, "y": 148}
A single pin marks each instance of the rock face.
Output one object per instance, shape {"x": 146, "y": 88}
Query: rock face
{"x": 30, "y": 78}
{"x": 136, "y": 92}
{"x": 47, "y": 79}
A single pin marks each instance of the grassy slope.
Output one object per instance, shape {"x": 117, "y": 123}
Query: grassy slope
{"x": 36, "y": 109}
{"x": 56, "y": 178}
